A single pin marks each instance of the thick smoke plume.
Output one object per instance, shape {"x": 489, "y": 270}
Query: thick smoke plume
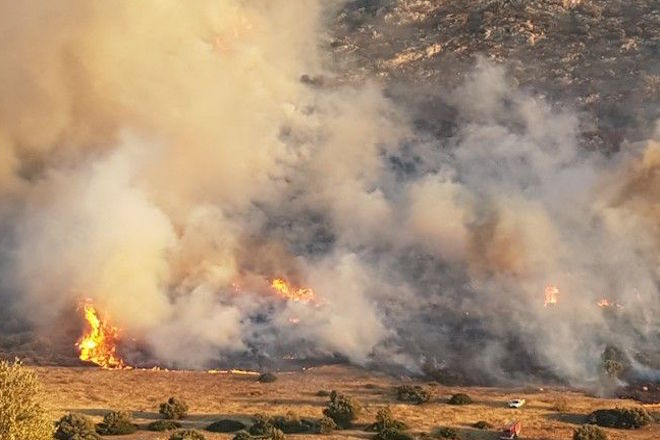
{"x": 166, "y": 160}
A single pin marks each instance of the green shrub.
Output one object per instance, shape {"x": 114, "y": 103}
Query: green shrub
{"x": 385, "y": 420}
{"x": 446, "y": 432}
{"x": 173, "y": 408}
{"x": 326, "y": 425}
{"x": 482, "y": 424}
{"x": 622, "y": 418}
{"x": 460, "y": 399}
{"x": 292, "y": 424}
{"x": 117, "y": 423}
{"x": 392, "y": 434}
{"x": 342, "y": 409}
{"x": 75, "y": 427}
{"x": 187, "y": 434}
{"x": 261, "y": 425}
{"x": 226, "y": 425}
{"x": 589, "y": 432}
{"x": 242, "y": 435}
{"x": 414, "y": 394}
{"x": 267, "y": 378}
{"x": 163, "y": 425}
{"x": 21, "y": 413}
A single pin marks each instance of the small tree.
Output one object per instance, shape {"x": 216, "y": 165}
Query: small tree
{"x": 117, "y": 423}
{"x": 385, "y": 420}
{"x": 21, "y": 413}
{"x": 342, "y": 409}
{"x": 173, "y": 408}
{"x": 589, "y": 432}
{"x": 75, "y": 427}
{"x": 326, "y": 425}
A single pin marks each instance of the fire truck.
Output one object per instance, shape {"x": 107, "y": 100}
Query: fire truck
{"x": 511, "y": 431}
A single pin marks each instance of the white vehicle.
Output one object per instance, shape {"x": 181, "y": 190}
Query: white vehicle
{"x": 516, "y": 403}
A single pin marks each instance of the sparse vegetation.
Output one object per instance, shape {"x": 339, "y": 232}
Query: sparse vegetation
{"x": 326, "y": 425}
{"x": 622, "y": 418}
{"x": 322, "y": 393}
{"x": 414, "y": 394}
{"x": 187, "y": 434}
{"x": 261, "y": 425}
{"x": 163, "y": 425}
{"x": 117, "y": 423}
{"x": 560, "y": 405}
{"x": 267, "y": 378}
{"x": 460, "y": 399}
{"x": 226, "y": 425}
{"x": 614, "y": 361}
{"x": 385, "y": 420}
{"x": 173, "y": 409}
{"x": 75, "y": 427}
{"x": 589, "y": 432}
{"x": 482, "y": 424}
{"x": 21, "y": 413}
{"x": 242, "y": 435}
{"x": 342, "y": 409}
{"x": 447, "y": 432}
{"x": 292, "y": 424}
{"x": 392, "y": 434}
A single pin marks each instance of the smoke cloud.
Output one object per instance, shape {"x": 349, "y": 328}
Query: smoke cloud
{"x": 165, "y": 160}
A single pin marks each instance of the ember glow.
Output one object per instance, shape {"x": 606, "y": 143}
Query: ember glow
{"x": 605, "y": 303}
{"x": 551, "y": 293}
{"x": 99, "y": 343}
{"x": 285, "y": 290}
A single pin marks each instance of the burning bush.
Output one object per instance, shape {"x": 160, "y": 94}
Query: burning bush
{"x": 173, "y": 408}
{"x": 163, "y": 425}
{"x": 187, "y": 434}
{"x": 392, "y": 434}
{"x": 460, "y": 399}
{"x": 342, "y": 409}
{"x": 589, "y": 432}
{"x": 385, "y": 420}
{"x": 414, "y": 394}
{"x": 21, "y": 414}
{"x": 117, "y": 423}
{"x": 75, "y": 427}
{"x": 267, "y": 378}
{"x": 622, "y": 418}
{"x": 482, "y": 424}
{"x": 446, "y": 432}
{"x": 226, "y": 425}
{"x": 326, "y": 425}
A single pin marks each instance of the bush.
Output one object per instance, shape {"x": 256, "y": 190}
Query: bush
{"x": 622, "y": 418}
{"x": 415, "y": 394}
{"x": 117, "y": 423}
{"x": 292, "y": 424}
{"x": 242, "y": 435}
{"x": 21, "y": 413}
{"x": 274, "y": 434}
{"x": 163, "y": 425}
{"x": 75, "y": 426}
{"x": 589, "y": 432}
{"x": 385, "y": 420}
{"x": 187, "y": 434}
{"x": 326, "y": 425}
{"x": 392, "y": 434}
{"x": 261, "y": 425}
{"x": 173, "y": 408}
{"x": 342, "y": 409}
{"x": 267, "y": 378}
{"x": 481, "y": 424}
{"x": 446, "y": 432}
{"x": 323, "y": 393}
{"x": 226, "y": 425}
{"x": 561, "y": 405}
{"x": 460, "y": 399}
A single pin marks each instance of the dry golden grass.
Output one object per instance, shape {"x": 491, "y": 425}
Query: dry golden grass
{"x": 214, "y": 396}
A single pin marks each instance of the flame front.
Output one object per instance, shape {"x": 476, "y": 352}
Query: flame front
{"x": 99, "y": 342}
{"x": 551, "y": 293}
{"x": 285, "y": 290}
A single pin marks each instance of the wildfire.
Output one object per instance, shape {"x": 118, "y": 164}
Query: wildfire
{"x": 551, "y": 293}
{"x": 99, "y": 342}
{"x": 285, "y": 290}
{"x": 604, "y": 303}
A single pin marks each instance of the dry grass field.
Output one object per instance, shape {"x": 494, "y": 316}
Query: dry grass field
{"x": 214, "y": 396}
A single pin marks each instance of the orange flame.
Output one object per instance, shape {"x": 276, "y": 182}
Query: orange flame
{"x": 604, "y": 303}
{"x": 285, "y": 290}
{"x": 99, "y": 342}
{"x": 551, "y": 293}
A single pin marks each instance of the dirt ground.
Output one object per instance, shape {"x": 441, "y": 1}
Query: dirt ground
{"x": 215, "y": 396}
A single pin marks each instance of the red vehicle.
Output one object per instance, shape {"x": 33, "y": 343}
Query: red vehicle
{"x": 511, "y": 431}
